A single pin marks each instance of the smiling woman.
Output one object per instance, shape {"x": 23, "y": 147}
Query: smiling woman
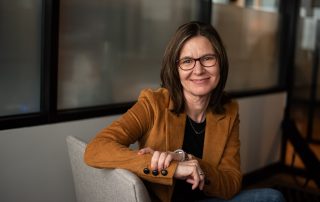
{"x": 187, "y": 45}
{"x": 188, "y": 130}
{"x": 201, "y": 79}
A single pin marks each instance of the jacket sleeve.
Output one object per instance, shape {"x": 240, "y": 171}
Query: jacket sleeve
{"x": 224, "y": 179}
{"x": 109, "y": 149}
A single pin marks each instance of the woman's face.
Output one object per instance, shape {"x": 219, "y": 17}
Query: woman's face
{"x": 200, "y": 80}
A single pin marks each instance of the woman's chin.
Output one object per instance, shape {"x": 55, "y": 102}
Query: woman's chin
{"x": 201, "y": 93}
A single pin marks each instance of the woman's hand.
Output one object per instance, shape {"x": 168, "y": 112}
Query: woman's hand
{"x": 191, "y": 172}
{"x": 160, "y": 160}
{"x": 186, "y": 170}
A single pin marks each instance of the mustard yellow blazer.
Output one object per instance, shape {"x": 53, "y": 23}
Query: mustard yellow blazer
{"x": 151, "y": 123}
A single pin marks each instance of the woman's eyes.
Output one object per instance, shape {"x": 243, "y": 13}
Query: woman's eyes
{"x": 207, "y": 58}
{"x": 187, "y": 61}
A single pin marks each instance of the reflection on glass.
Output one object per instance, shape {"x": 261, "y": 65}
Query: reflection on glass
{"x": 251, "y": 39}
{"x": 302, "y": 110}
{"x": 266, "y": 5}
{"x": 20, "y": 39}
{"x": 109, "y": 50}
{"x": 305, "y": 46}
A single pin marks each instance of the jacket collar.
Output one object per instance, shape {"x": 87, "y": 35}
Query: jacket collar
{"x": 215, "y": 137}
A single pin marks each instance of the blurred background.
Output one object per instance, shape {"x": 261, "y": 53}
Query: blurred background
{"x": 71, "y": 67}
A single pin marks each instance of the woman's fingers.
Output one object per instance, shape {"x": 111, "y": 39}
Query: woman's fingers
{"x": 161, "y": 160}
{"x": 146, "y": 150}
{"x": 168, "y": 160}
{"x": 192, "y": 173}
{"x": 154, "y": 160}
{"x": 202, "y": 178}
{"x": 187, "y": 170}
{"x": 196, "y": 178}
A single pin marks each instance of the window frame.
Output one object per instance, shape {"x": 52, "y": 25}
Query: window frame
{"x": 49, "y": 73}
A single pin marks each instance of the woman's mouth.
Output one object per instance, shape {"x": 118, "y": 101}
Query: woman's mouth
{"x": 199, "y": 81}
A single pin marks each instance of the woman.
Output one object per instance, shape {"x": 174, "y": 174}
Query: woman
{"x": 188, "y": 130}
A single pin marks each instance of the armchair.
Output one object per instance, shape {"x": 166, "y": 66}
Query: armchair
{"x": 102, "y": 185}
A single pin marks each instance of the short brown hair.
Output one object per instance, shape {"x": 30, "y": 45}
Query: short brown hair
{"x": 169, "y": 73}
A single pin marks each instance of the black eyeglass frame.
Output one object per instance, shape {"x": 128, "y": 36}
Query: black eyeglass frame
{"x": 200, "y": 59}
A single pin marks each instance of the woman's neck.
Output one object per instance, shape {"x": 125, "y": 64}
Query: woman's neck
{"x": 196, "y": 107}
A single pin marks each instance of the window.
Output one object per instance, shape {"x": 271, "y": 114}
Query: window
{"x": 250, "y": 31}
{"x": 305, "y": 104}
{"x": 20, "y": 58}
{"x": 305, "y": 50}
{"x": 73, "y": 59}
{"x": 110, "y": 50}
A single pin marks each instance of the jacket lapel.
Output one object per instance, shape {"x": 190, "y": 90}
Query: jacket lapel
{"x": 215, "y": 137}
{"x": 175, "y": 126}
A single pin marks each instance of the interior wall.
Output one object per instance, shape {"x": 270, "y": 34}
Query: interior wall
{"x": 260, "y": 130}
{"x": 35, "y": 165}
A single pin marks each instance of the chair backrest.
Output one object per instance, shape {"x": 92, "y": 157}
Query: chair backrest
{"x": 102, "y": 185}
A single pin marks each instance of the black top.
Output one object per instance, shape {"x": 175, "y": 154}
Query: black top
{"x": 192, "y": 144}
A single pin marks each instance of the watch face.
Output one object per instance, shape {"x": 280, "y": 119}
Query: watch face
{"x": 180, "y": 151}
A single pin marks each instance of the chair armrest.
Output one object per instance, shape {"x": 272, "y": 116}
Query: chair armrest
{"x": 93, "y": 185}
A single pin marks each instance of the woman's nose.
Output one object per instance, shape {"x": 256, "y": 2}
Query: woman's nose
{"x": 198, "y": 68}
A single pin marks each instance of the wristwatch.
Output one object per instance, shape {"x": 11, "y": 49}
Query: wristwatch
{"x": 185, "y": 156}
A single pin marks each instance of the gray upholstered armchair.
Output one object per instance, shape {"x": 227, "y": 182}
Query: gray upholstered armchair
{"x": 102, "y": 185}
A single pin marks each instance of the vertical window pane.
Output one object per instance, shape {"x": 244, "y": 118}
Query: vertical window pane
{"x": 109, "y": 50}
{"x": 303, "y": 110}
{"x": 249, "y": 30}
{"x": 20, "y": 58}
{"x": 305, "y": 47}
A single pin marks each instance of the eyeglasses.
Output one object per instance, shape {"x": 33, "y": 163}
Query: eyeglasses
{"x": 205, "y": 61}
